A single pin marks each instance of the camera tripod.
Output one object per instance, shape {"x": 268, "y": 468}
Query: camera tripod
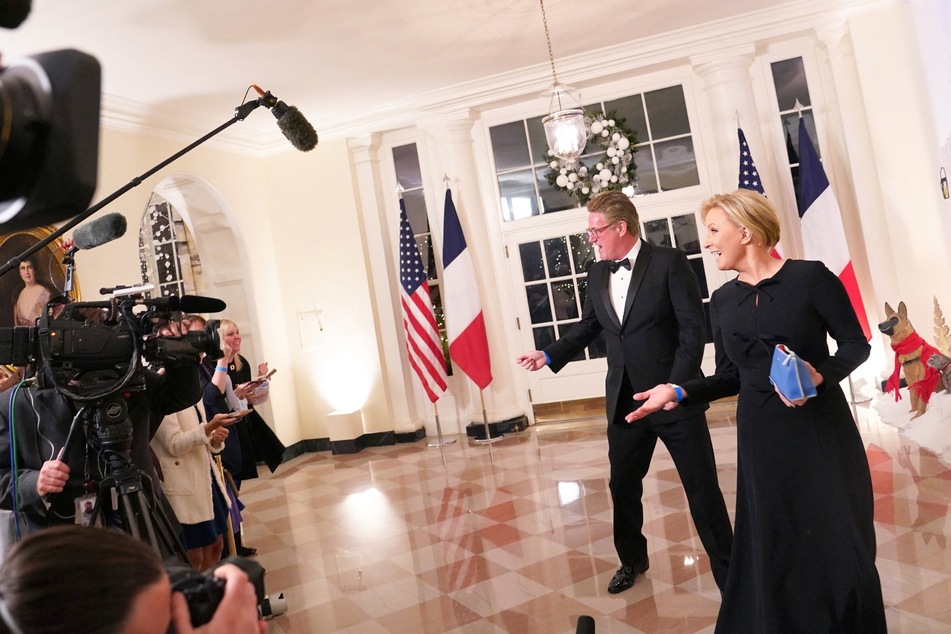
{"x": 126, "y": 499}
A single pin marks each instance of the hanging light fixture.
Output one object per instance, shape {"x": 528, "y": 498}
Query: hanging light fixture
{"x": 565, "y": 128}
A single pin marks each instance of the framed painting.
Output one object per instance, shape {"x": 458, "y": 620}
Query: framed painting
{"x": 24, "y": 292}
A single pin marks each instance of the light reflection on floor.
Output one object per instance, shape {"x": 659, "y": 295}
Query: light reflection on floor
{"x": 516, "y": 536}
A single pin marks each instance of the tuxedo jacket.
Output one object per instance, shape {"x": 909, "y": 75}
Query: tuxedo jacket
{"x": 658, "y": 339}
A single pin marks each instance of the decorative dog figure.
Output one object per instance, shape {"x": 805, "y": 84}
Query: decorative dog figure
{"x": 911, "y": 357}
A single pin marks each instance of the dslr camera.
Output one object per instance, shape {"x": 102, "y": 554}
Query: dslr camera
{"x": 204, "y": 591}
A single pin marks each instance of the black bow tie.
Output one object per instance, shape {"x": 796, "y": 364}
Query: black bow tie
{"x": 617, "y": 264}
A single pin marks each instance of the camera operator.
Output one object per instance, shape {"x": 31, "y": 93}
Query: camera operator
{"x": 50, "y": 486}
{"x": 45, "y": 588}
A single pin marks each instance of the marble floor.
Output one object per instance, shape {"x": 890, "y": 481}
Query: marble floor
{"x": 515, "y": 536}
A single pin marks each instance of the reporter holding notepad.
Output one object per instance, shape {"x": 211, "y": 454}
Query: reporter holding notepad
{"x": 804, "y": 543}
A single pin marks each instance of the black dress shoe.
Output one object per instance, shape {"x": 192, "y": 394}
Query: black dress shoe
{"x": 625, "y": 575}
{"x": 247, "y": 551}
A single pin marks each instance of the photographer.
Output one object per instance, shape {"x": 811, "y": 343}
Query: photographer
{"x": 50, "y": 485}
{"x": 45, "y": 588}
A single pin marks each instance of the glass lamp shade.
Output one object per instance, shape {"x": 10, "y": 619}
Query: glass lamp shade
{"x": 566, "y": 133}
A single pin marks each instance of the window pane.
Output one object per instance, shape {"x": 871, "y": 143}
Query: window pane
{"x": 509, "y": 145}
{"x": 544, "y": 337}
{"x": 531, "y": 256}
{"x": 676, "y": 164}
{"x": 685, "y": 233}
{"x": 416, "y": 211}
{"x": 556, "y": 255}
{"x": 632, "y": 110}
{"x": 697, "y": 265}
{"x": 518, "y": 195}
{"x": 563, "y": 297}
{"x": 406, "y": 161}
{"x": 789, "y": 77}
{"x": 537, "y": 140}
{"x": 552, "y": 199}
{"x": 538, "y": 307}
{"x": 668, "y": 112}
{"x": 657, "y": 233}
{"x": 582, "y": 290}
{"x": 428, "y": 255}
{"x": 791, "y": 124}
{"x": 645, "y": 181}
{"x": 582, "y": 252}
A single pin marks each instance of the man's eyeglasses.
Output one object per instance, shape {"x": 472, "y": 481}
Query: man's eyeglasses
{"x": 595, "y": 232}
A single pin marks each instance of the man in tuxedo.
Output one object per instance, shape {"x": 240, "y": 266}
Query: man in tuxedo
{"x": 646, "y": 301}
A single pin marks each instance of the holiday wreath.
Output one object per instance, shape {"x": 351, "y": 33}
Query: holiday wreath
{"x": 613, "y": 169}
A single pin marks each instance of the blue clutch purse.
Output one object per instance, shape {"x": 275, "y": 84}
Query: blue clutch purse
{"x": 790, "y": 375}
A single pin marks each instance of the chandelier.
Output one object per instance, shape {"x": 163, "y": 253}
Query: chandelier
{"x": 565, "y": 128}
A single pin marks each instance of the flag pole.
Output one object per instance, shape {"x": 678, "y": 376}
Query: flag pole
{"x": 485, "y": 421}
{"x": 439, "y": 441}
{"x": 852, "y": 398}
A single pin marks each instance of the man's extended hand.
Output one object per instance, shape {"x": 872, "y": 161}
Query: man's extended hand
{"x": 52, "y": 478}
{"x": 534, "y": 360}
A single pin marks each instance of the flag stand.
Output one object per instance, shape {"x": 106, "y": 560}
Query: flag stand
{"x": 485, "y": 421}
{"x": 439, "y": 440}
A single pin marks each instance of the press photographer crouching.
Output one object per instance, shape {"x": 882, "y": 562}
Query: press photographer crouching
{"x": 82, "y": 425}
{"x": 45, "y": 588}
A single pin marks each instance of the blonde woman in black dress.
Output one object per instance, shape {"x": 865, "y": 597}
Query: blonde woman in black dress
{"x": 804, "y": 544}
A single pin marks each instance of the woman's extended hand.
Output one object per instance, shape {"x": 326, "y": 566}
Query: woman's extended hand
{"x": 816, "y": 381}
{"x": 658, "y": 397}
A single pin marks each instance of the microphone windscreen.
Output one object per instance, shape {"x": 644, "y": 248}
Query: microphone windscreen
{"x": 585, "y": 625}
{"x": 100, "y": 231}
{"x": 196, "y": 304}
{"x": 297, "y": 129}
{"x": 13, "y": 12}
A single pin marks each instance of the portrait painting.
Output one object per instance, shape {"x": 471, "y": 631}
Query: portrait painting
{"x": 25, "y": 289}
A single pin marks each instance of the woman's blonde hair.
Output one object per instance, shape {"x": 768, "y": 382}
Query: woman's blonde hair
{"x": 746, "y": 208}
{"x": 222, "y": 329}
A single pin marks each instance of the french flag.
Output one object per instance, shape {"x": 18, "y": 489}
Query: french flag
{"x": 468, "y": 344}
{"x": 823, "y": 235}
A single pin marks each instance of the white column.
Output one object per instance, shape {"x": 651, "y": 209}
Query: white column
{"x": 384, "y": 275}
{"x": 450, "y": 148}
{"x": 863, "y": 208}
{"x": 729, "y": 92}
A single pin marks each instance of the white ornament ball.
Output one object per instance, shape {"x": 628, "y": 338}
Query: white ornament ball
{"x": 553, "y": 165}
{"x": 605, "y": 133}
{"x": 572, "y": 177}
{"x": 616, "y": 136}
{"x": 596, "y": 127}
{"x": 611, "y": 151}
{"x": 605, "y": 175}
{"x": 611, "y": 122}
{"x": 583, "y": 171}
{"x": 623, "y": 143}
{"x": 585, "y": 190}
{"x": 615, "y": 160}
{"x": 570, "y": 186}
{"x": 614, "y": 179}
{"x": 562, "y": 180}
{"x": 599, "y": 166}
{"x": 564, "y": 170}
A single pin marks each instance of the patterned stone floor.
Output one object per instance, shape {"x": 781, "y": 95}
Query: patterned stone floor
{"x": 515, "y": 536}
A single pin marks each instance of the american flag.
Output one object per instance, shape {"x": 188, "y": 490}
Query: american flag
{"x": 749, "y": 178}
{"x": 422, "y": 336}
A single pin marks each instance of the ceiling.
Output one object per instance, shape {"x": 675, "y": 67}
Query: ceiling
{"x": 339, "y": 62}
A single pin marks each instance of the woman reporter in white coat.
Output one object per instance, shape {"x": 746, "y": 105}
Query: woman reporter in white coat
{"x": 192, "y": 482}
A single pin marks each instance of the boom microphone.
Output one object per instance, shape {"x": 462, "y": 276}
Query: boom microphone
{"x": 292, "y": 123}
{"x": 13, "y": 12}
{"x": 195, "y": 304}
{"x": 585, "y": 625}
{"x": 99, "y": 232}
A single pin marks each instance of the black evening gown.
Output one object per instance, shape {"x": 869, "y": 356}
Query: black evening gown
{"x": 804, "y": 545}
{"x": 259, "y": 443}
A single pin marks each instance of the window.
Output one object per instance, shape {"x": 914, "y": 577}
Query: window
{"x": 167, "y": 254}
{"x": 681, "y": 232}
{"x": 792, "y": 93}
{"x": 555, "y": 274}
{"x": 665, "y": 158}
{"x": 409, "y": 177}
